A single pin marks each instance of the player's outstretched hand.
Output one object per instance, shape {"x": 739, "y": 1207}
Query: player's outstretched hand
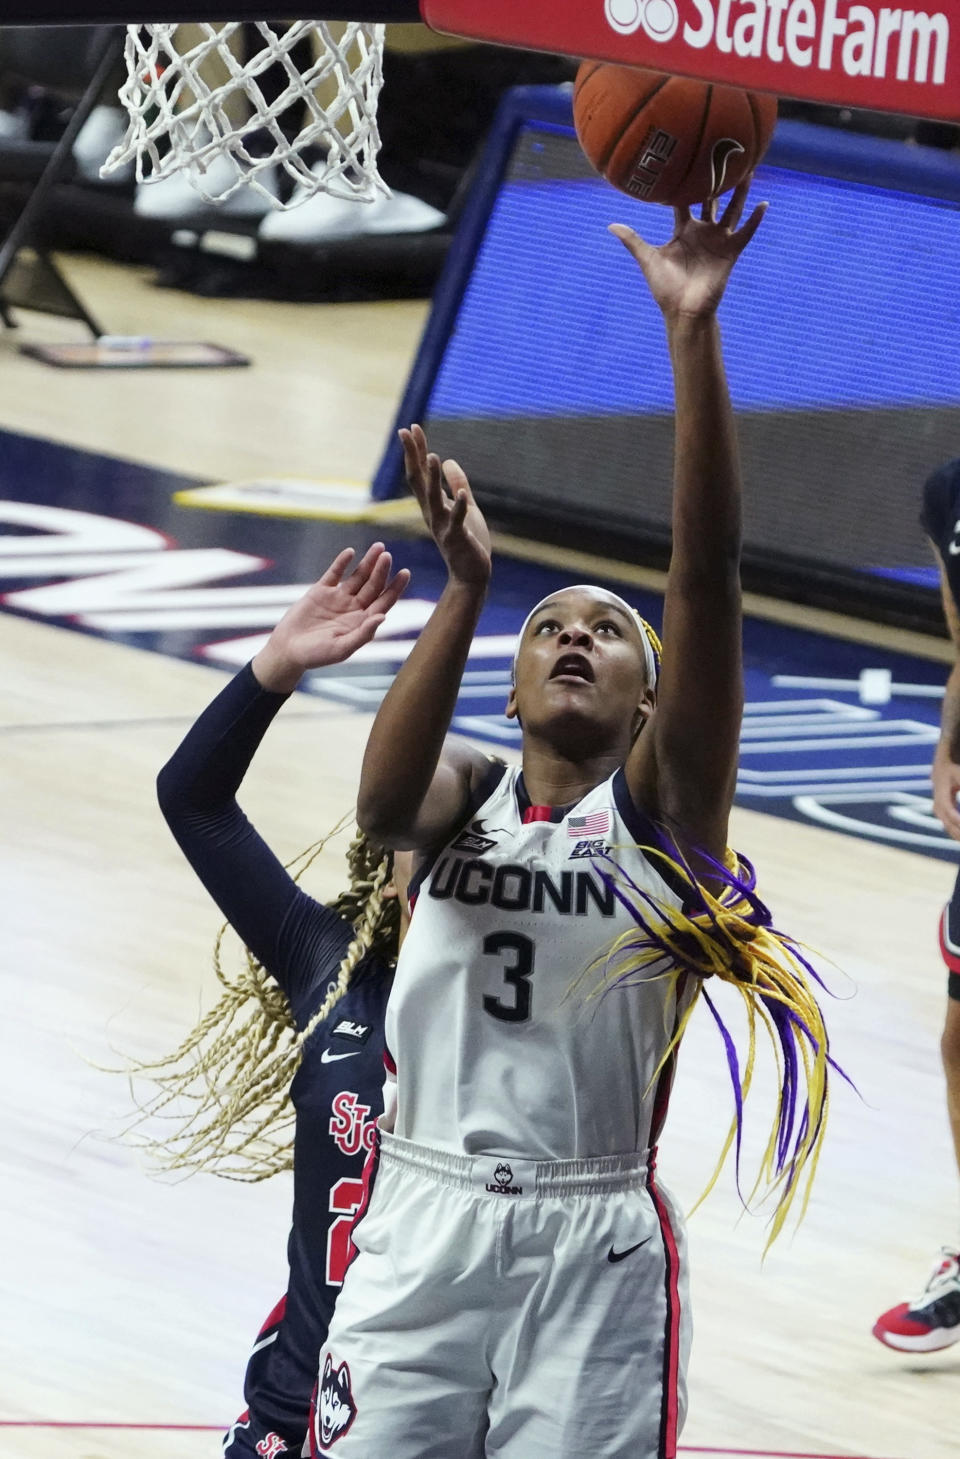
{"x": 449, "y": 510}
{"x": 687, "y": 275}
{"x": 946, "y": 788}
{"x": 332, "y": 619}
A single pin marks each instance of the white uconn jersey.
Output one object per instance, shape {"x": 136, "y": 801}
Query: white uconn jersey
{"x": 495, "y": 1050}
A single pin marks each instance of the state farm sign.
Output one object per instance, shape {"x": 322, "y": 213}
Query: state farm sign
{"x": 845, "y": 52}
{"x": 859, "y": 40}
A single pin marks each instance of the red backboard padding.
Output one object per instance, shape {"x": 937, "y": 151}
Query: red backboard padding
{"x": 861, "y": 53}
{"x": 874, "y": 54}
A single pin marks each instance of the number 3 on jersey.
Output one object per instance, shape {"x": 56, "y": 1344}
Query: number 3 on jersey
{"x": 516, "y": 953}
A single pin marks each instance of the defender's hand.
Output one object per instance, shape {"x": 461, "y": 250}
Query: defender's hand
{"x": 332, "y": 620}
{"x": 688, "y": 275}
{"x": 449, "y": 510}
{"x": 946, "y": 787}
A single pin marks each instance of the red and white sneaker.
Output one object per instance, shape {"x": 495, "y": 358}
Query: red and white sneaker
{"x": 931, "y": 1321}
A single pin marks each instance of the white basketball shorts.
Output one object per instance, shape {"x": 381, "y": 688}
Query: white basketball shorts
{"x": 509, "y": 1308}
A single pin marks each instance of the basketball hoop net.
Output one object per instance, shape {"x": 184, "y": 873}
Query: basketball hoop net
{"x": 179, "y": 120}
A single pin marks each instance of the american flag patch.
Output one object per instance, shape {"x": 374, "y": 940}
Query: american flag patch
{"x": 595, "y": 823}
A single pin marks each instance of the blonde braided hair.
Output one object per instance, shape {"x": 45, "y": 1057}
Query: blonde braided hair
{"x": 227, "y": 1086}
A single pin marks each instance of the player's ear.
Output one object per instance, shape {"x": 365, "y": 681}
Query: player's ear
{"x": 642, "y": 713}
{"x": 511, "y": 710}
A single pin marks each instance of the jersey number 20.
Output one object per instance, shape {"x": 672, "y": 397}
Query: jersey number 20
{"x": 517, "y": 954}
{"x": 346, "y": 1196}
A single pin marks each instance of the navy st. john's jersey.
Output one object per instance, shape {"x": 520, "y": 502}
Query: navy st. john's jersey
{"x": 338, "y": 1095}
{"x": 940, "y": 519}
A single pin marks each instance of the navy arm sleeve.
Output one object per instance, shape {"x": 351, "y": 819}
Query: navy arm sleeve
{"x": 938, "y": 511}
{"x": 297, "y": 939}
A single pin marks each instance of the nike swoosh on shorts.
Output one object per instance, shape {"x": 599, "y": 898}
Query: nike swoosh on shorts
{"x": 619, "y": 1255}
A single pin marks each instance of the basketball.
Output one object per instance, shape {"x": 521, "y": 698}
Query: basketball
{"x": 669, "y": 139}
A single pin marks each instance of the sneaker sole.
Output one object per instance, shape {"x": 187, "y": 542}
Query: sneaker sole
{"x": 927, "y": 1342}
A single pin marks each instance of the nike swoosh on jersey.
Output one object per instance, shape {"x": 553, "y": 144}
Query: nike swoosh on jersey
{"x": 327, "y": 1058}
{"x": 619, "y": 1255}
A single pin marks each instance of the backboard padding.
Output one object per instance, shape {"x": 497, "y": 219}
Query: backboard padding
{"x": 868, "y": 54}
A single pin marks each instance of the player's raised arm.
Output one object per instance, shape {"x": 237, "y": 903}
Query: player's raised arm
{"x": 683, "y": 767}
{"x": 412, "y": 789}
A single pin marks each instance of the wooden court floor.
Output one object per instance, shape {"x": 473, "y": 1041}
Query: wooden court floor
{"x": 127, "y": 1302}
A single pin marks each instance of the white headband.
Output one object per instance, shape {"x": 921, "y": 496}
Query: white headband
{"x": 649, "y": 657}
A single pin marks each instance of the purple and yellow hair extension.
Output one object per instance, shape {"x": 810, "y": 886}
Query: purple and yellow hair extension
{"x": 730, "y": 936}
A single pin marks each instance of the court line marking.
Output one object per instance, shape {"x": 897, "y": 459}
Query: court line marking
{"x": 148, "y": 722}
{"x": 765, "y": 1453}
{"x": 219, "y": 1428}
{"x": 62, "y": 1423}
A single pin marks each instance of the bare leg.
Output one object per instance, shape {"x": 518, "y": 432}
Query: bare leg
{"x": 932, "y": 1320}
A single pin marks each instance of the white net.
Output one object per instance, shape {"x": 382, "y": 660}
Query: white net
{"x": 213, "y": 111}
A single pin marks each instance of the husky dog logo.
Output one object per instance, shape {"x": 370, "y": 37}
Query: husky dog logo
{"x": 723, "y": 149}
{"x": 503, "y": 1175}
{"x": 336, "y": 1409}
